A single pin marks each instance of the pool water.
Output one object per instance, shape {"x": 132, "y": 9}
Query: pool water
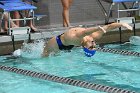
{"x": 104, "y": 68}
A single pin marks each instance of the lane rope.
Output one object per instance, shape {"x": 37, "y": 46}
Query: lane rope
{"x": 64, "y": 80}
{"x": 117, "y": 51}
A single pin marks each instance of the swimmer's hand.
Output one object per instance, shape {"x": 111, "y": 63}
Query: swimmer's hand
{"x": 125, "y": 25}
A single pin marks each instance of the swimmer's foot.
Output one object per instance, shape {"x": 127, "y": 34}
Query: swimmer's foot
{"x": 33, "y": 30}
{"x": 3, "y": 32}
{"x": 13, "y": 26}
{"x": 5, "y": 29}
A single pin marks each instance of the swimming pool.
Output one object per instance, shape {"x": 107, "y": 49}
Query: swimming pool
{"x": 104, "y": 68}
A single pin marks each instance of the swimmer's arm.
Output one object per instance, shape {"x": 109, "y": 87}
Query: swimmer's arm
{"x": 103, "y": 29}
{"x": 88, "y": 31}
{"x": 98, "y": 34}
{"x": 116, "y": 25}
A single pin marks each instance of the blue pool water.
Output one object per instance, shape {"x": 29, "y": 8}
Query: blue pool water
{"x": 104, "y": 68}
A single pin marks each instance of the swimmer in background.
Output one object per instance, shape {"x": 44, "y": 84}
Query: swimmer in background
{"x": 85, "y": 37}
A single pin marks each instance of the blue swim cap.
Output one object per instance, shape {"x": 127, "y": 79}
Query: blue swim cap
{"x": 89, "y": 53}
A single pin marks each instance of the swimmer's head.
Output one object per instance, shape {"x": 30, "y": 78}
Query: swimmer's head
{"x": 89, "y": 48}
{"x": 89, "y": 44}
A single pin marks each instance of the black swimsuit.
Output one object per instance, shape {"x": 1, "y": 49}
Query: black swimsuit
{"x": 61, "y": 46}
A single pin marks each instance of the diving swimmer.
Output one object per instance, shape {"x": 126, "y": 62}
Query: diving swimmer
{"x": 79, "y": 36}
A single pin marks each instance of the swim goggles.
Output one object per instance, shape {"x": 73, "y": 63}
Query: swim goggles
{"x": 88, "y": 52}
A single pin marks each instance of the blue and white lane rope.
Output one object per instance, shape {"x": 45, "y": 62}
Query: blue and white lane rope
{"x": 64, "y": 80}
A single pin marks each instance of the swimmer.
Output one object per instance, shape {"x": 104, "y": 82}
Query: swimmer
{"x": 85, "y": 37}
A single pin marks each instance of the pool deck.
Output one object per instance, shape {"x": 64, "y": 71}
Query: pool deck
{"x": 6, "y": 46}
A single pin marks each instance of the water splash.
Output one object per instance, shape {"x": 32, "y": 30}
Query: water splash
{"x": 135, "y": 40}
{"x": 31, "y": 50}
